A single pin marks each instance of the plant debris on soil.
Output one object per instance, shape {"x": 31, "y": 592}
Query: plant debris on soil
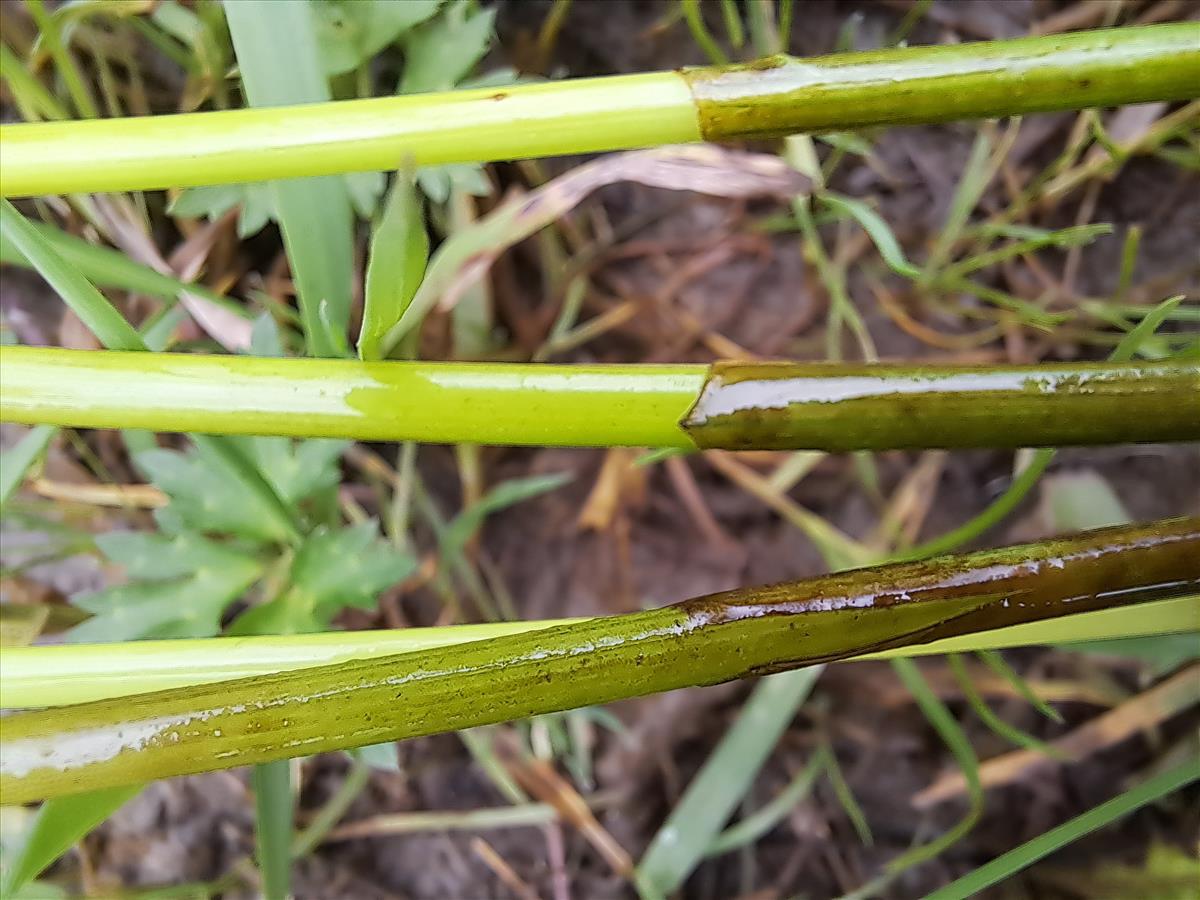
{"x": 685, "y": 277}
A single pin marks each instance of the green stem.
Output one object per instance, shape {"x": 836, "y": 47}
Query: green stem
{"x": 62, "y": 674}
{"x": 732, "y": 405}
{"x": 776, "y": 96}
{"x": 703, "y": 641}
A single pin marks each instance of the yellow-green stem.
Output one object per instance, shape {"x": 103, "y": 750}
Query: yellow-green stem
{"x": 776, "y": 96}
{"x": 732, "y": 405}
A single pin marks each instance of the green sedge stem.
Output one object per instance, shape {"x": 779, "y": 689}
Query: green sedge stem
{"x": 63, "y": 674}
{"x": 776, "y": 96}
{"x": 730, "y": 405}
{"x": 707, "y": 640}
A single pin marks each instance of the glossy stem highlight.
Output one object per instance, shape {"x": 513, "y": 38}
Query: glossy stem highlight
{"x": 733, "y": 405}
{"x": 776, "y": 96}
{"x": 703, "y": 641}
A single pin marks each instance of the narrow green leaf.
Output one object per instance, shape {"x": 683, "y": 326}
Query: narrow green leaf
{"x": 16, "y": 460}
{"x": 304, "y": 842}
{"x": 1150, "y": 323}
{"x": 56, "y": 827}
{"x": 101, "y": 318}
{"x": 971, "y": 185}
{"x": 989, "y": 718}
{"x": 32, "y": 98}
{"x": 399, "y": 252}
{"x": 762, "y": 820}
{"x": 960, "y": 747}
{"x": 971, "y": 884}
{"x": 996, "y": 662}
{"x": 111, "y": 268}
{"x": 713, "y": 795}
{"x": 280, "y": 65}
{"x": 846, "y": 799}
{"x": 876, "y": 228}
{"x": 273, "y": 815}
{"x": 467, "y": 522}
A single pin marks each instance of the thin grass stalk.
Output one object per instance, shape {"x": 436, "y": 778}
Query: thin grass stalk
{"x": 776, "y": 96}
{"x": 731, "y": 405}
{"x": 703, "y": 641}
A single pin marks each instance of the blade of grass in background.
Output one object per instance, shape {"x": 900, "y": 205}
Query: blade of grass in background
{"x": 1015, "y": 860}
{"x": 273, "y": 826}
{"x": 944, "y": 723}
{"x": 100, "y": 317}
{"x": 111, "y": 268}
{"x": 684, "y": 839}
{"x": 57, "y": 826}
{"x": 280, "y": 65}
{"x": 770, "y": 814}
{"x": 16, "y": 460}
{"x": 51, "y": 34}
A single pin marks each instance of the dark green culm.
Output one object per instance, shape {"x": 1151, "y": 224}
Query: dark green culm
{"x": 755, "y": 442}
{"x": 746, "y": 631}
{"x": 822, "y": 406}
{"x": 910, "y": 85}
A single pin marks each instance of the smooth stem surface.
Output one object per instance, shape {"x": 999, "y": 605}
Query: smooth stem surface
{"x": 776, "y": 96}
{"x": 703, "y": 641}
{"x": 62, "y": 674}
{"x": 811, "y": 406}
{"x": 434, "y": 402}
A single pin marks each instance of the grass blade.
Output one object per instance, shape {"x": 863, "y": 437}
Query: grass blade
{"x": 111, "y": 268}
{"x": 945, "y": 725}
{"x": 994, "y": 661}
{"x": 280, "y": 65}
{"x": 988, "y": 717}
{"x": 56, "y": 827}
{"x": 100, "y": 316}
{"x": 762, "y": 820}
{"x": 273, "y": 826}
{"x": 712, "y": 796}
{"x": 1015, "y": 860}
{"x": 16, "y": 460}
